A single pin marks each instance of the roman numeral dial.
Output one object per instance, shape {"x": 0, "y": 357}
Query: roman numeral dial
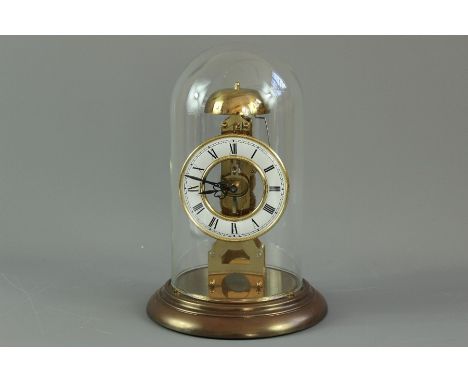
{"x": 213, "y": 153}
{"x": 234, "y": 228}
{"x": 203, "y": 190}
{"x": 213, "y": 222}
{"x": 269, "y": 168}
{"x": 198, "y": 208}
{"x": 269, "y": 209}
{"x": 233, "y": 147}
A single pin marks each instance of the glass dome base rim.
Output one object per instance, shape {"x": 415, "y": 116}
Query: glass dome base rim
{"x": 283, "y": 272}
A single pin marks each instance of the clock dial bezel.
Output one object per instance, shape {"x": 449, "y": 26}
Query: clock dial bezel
{"x": 268, "y": 155}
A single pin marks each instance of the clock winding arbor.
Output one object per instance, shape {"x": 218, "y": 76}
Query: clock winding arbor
{"x": 234, "y": 281}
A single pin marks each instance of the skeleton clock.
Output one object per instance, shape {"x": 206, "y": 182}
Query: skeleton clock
{"x": 237, "y": 168}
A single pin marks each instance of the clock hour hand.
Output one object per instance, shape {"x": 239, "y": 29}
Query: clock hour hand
{"x": 217, "y": 193}
{"x": 206, "y": 192}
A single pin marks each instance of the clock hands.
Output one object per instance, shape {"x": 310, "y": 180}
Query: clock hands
{"x": 206, "y": 192}
{"x": 220, "y": 189}
{"x": 203, "y": 180}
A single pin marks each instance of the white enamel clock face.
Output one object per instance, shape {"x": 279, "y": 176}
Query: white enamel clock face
{"x": 198, "y": 180}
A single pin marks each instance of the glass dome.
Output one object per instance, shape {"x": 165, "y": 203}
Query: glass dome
{"x": 223, "y": 90}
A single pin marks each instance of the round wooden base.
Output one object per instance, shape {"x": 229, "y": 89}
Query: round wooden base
{"x": 241, "y": 320}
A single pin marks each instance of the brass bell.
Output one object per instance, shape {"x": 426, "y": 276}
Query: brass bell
{"x": 246, "y": 102}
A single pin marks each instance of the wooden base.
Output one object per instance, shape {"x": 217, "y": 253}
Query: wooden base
{"x": 237, "y": 320}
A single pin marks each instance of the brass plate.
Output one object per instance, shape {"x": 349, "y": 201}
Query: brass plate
{"x": 237, "y": 320}
{"x": 194, "y": 283}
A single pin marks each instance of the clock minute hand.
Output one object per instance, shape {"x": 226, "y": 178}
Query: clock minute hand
{"x": 203, "y": 180}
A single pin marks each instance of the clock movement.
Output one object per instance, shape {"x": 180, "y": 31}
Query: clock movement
{"x": 237, "y": 168}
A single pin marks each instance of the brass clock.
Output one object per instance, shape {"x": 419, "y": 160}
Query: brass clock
{"x": 219, "y": 182}
{"x": 235, "y": 274}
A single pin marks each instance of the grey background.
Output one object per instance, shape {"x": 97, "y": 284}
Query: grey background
{"x": 84, "y": 187}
